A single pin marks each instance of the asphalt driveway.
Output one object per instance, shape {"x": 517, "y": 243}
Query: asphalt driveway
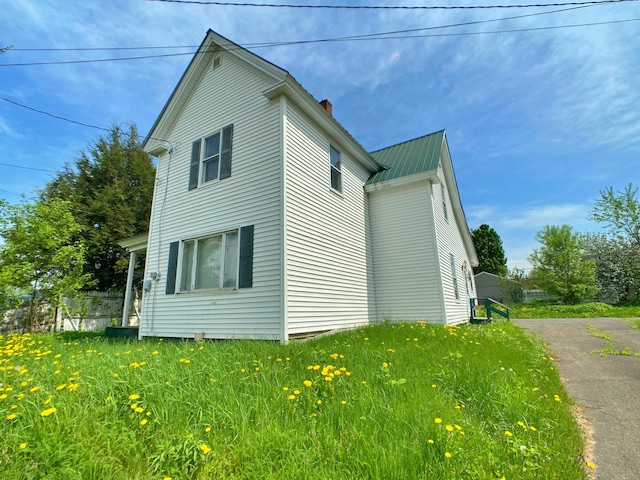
{"x": 607, "y": 387}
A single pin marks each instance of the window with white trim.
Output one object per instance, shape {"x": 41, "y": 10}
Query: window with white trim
{"x": 336, "y": 169}
{"x": 444, "y": 202}
{"x": 454, "y": 275}
{"x": 210, "y": 262}
{"x": 211, "y": 158}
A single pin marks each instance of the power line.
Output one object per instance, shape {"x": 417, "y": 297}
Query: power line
{"x": 388, "y": 7}
{"x": 66, "y": 120}
{"x": 26, "y": 168}
{"x": 372, "y": 36}
{"x": 54, "y": 116}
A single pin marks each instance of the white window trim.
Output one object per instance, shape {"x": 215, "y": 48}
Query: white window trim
{"x": 203, "y": 147}
{"x": 179, "y": 272}
{"x": 339, "y": 170}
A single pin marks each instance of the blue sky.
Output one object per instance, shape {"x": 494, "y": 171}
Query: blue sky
{"x": 538, "y": 122}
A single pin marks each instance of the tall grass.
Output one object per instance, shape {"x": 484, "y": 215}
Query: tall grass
{"x": 387, "y": 401}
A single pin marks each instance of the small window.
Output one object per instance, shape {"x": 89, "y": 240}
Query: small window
{"x": 444, "y": 202}
{"x": 211, "y": 158}
{"x": 336, "y": 170}
{"x": 210, "y": 262}
{"x": 455, "y": 276}
{"x": 217, "y": 61}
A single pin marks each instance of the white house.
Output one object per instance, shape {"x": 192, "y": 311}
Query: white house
{"x": 270, "y": 220}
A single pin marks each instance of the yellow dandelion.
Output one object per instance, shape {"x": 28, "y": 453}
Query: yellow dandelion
{"x": 438, "y": 420}
{"x": 11, "y": 416}
{"x": 319, "y": 402}
{"x": 296, "y": 392}
{"x": 208, "y": 429}
{"x": 430, "y": 442}
{"x": 205, "y": 448}
{"x": 433, "y": 385}
{"x": 285, "y": 388}
{"x": 23, "y": 446}
{"x": 139, "y": 410}
{"x": 134, "y": 406}
{"x": 343, "y": 402}
{"x": 134, "y": 396}
{"x": 533, "y": 429}
{"x": 328, "y": 378}
{"x": 34, "y": 389}
{"x": 291, "y": 397}
{"x": 242, "y": 370}
{"x": 48, "y": 411}
{"x": 449, "y": 428}
{"x": 309, "y": 367}
{"x": 307, "y": 383}
{"x": 508, "y": 433}
{"x": 385, "y": 364}
{"x": 591, "y": 465}
{"x": 447, "y": 454}
{"x": 61, "y": 387}
{"x": 143, "y": 421}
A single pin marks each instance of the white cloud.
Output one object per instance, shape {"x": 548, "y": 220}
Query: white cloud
{"x": 7, "y": 130}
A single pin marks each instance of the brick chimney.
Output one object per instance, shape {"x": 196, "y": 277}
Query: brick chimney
{"x": 326, "y": 104}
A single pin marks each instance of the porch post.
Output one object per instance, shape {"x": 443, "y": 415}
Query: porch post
{"x": 126, "y": 311}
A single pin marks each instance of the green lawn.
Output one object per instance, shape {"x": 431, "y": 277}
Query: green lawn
{"x": 584, "y": 310}
{"x": 390, "y": 401}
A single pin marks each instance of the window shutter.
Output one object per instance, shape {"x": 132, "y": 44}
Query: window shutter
{"x": 194, "y": 170}
{"x": 225, "y": 152}
{"x": 172, "y": 268}
{"x": 245, "y": 275}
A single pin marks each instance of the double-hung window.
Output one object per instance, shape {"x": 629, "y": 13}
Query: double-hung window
{"x": 336, "y": 169}
{"x": 211, "y": 158}
{"x": 452, "y": 258}
{"x": 210, "y": 262}
{"x": 217, "y": 261}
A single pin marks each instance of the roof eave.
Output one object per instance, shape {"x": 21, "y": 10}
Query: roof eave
{"x": 295, "y": 93}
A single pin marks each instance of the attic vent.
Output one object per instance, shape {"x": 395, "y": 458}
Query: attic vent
{"x": 217, "y": 61}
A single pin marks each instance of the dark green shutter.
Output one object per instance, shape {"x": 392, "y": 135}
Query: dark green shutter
{"x": 245, "y": 275}
{"x": 194, "y": 170}
{"x": 172, "y": 268}
{"x": 225, "y": 152}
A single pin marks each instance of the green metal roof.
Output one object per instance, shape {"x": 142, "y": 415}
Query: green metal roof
{"x": 414, "y": 156}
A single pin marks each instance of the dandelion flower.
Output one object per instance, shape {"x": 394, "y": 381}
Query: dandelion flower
{"x": 343, "y": 402}
{"x": 48, "y": 411}
{"x": 291, "y": 397}
{"x": 134, "y": 396}
{"x": 143, "y": 421}
{"x": 591, "y": 465}
{"x": 208, "y": 429}
{"x": 438, "y": 420}
{"x": 508, "y": 433}
{"x": 285, "y": 388}
{"x": 449, "y": 428}
{"x": 533, "y": 429}
{"x": 139, "y": 410}
{"x": 11, "y": 416}
{"x": 319, "y": 402}
{"x": 385, "y": 364}
{"x": 307, "y": 383}
{"x": 34, "y": 389}
{"x": 205, "y": 448}
{"x": 23, "y": 446}
{"x": 447, "y": 454}
{"x": 430, "y": 442}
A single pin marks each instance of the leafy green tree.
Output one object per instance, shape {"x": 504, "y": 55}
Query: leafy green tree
{"x": 559, "y": 266}
{"x": 39, "y": 255}
{"x": 620, "y": 212}
{"x": 489, "y": 249}
{"x": 616, "y": 267}
{"x": 110, "y": 188}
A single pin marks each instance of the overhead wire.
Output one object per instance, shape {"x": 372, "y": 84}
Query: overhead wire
{"x": 388, "y": 7}
{"x": 363, "y": 37}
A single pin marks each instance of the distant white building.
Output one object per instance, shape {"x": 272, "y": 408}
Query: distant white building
{"x": 270, "y": 220}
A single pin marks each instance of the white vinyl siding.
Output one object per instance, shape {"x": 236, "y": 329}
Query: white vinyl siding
{"x": 326, "y": 234}
{"x": 229, "y": 94}
{"x": 450, "y": 245}
{"x": 406, "y": 269}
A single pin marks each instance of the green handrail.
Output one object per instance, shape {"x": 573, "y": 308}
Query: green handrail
{"x": 491, "y": 306}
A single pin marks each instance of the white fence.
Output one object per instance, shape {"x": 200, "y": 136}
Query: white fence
{"x": 93, "y": 311}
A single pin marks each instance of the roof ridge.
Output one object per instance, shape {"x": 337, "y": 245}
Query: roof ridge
{"x": 406, "y": 141}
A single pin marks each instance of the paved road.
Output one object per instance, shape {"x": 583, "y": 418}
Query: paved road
{"x": 607, "y": 387}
